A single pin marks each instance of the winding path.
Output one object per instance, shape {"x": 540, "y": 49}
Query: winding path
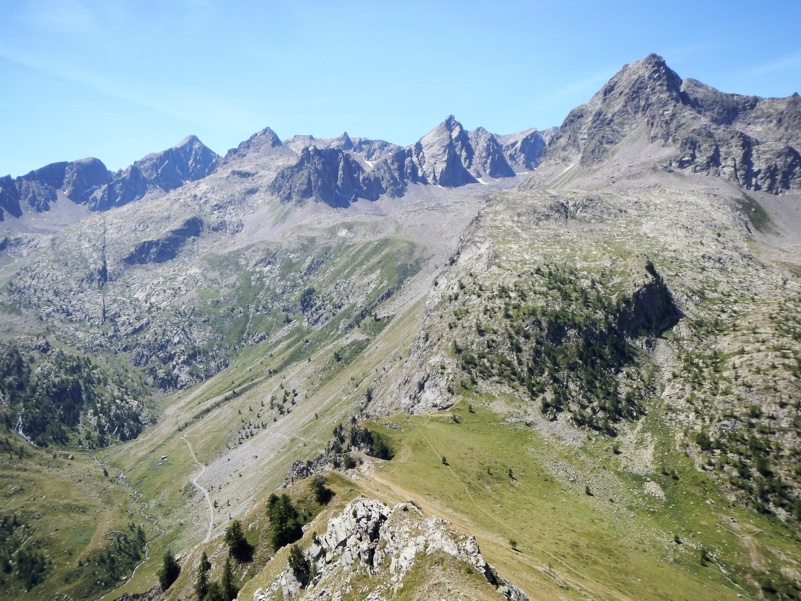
{"x": 200, "y": 488}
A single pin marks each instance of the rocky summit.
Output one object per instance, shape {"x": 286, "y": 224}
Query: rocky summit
{"x": 558, "y": 364}
{"x": 752, "y": 142}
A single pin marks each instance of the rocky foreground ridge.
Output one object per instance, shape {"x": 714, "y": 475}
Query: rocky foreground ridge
{"x": 385, "y": 544}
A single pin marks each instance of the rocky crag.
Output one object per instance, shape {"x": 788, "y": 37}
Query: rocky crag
{"x": 341, "y": 170}
{"x": 386, "y": 545}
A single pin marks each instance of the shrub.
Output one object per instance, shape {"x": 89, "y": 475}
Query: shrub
{"x": 299, "y": 564}
{"x": 321, "y": 492}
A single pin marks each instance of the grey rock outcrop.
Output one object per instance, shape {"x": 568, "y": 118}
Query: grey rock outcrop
{"x": 258, "y": 143}
{"x": 524, "y": 150}
{"x": 442, "y": 155}
{"x": 370, "y": 538}
{"x": 78, "y": 180}
{"x": 340, "y": 170}
{"x": 326, "y": 174}
{"x": 165, "y": 248}
{"x": 651, "y": 309}
{"x": 9, "y": 198}
{"x": 82, "y": 178}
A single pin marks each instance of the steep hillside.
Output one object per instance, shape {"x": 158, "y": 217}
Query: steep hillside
{"x": 604, "y": 368}
{"x": 217, "y": 277}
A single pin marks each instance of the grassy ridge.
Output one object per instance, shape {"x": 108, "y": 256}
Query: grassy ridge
{"x": 579, "y": 517}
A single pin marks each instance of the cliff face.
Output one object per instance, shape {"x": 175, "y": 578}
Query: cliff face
{"x": 651, "y": 310}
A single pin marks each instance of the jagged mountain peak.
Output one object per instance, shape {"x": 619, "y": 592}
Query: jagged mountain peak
{"x": 640, "y": 84}
{"x": 191, "y": 139}
{"x": 345, "y": 141}
{"x": 189, "y": 144}
{"x": 450, "y": 124}
{"x": 443, "y": 153}
{"x": 259, "y": 142}
{"x": 330, "y": 175}
{"x": 749, "y": 140}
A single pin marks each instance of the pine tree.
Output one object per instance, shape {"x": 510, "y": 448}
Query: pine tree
{"x": 285, "y": 522}
{"x": 202, "y": 584}
{"x": 229, "y": 589}
{"x": 238, "y": 545}
{"x": 169, "y": 571}
{"x": 299, "y": 564}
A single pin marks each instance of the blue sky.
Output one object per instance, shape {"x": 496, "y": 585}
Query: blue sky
{"x": 116, "y": 79}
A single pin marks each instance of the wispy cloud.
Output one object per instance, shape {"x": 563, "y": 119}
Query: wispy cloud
{"x": 783, "y": 63}
{"x": 61, "y": 16}
{"x": 189, "y": 106}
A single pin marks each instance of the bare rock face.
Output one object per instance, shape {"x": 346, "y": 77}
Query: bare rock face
{"x": 165, "y": 248}
{"x": 488, "y": 155}
{"x": 259, "y": 142}
{"x": 651, "y": 309}
{"x": 38, "y": 189}
{"x": 9, "y": 198}
{"x": 162, "y": 172}
{"x": 524, "y": 150}
{"x": 370, "y": 538}
{"x": 89, "y": 182}
{"x": 326, "y": 174}
{"x": 82, "y": 178}
{"x": 442, "y": 155}
{"x": 750, "y": 141}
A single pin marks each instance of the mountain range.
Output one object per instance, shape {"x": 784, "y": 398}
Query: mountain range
{"x": 562, "y": 364}
{"x": 335, "y": 171}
